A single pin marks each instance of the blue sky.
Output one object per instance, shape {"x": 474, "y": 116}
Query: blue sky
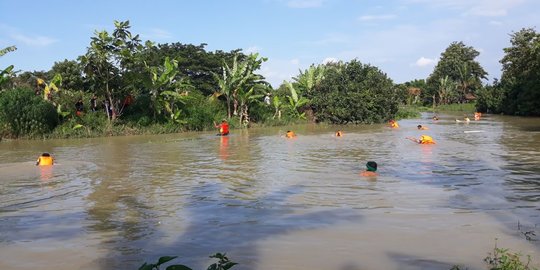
{"x": 404, "y": 38}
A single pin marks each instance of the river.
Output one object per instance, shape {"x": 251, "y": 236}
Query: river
{"x": 276, "y": 203}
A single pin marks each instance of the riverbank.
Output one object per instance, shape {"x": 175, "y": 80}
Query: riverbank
{"x": 96, "y": 124}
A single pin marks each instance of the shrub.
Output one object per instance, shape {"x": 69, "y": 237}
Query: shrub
{"x": 23, "y": 114}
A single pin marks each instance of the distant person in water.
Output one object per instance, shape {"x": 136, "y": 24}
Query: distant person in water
{"x": 223, "y": 128}
{"x": 477, "y": 116}
{"x": 420, "y": 127}
{"x": 393, "y": 124}
{"x": 371, "y": 169}
{"x": 424, "y": 139}
{"x": 435, "y": 118}
{"x": 45, "y": 159}
{"x": 339, "y": 133}
{"x": 290, "y": 134}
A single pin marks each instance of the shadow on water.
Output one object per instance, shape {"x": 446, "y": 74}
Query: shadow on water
{"x": 217, "y": 224}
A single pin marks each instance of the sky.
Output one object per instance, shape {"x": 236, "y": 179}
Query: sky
{"x": 403, "y": 38}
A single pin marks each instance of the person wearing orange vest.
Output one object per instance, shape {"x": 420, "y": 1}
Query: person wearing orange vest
{"x": 424, "y": 139}
{"x": 223, "y": 128}
{"x": 371, "y": 169}
{"x": 477, "y": 116}
{"x": 290, "y": 134}
{"x": 420, "y": 127}
{"x": 393, "y": 124}
{"x": 44, "y": 160}
{"x": 339, "y": 133}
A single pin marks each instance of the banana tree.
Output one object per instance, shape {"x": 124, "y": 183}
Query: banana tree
{"x": 7, "y": 73}
{"x": 276, "y": 102}
{"x": 447, "y": 88}
{"x": 246, "y": 98}
{"x": 167, "y": 94}
{"x": 308, "y": 80}
{"x": 51, "y": 87}
{"x": 238, "y": 79}
{"x": 295, "y": 102}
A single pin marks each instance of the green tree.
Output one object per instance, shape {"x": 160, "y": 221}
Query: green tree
{"x": 238, "y": 79}
{"x": 490, "y": 98}
{"x": 71, "y": 73}
{"x": 296, "y": 102}
{"x": 458, "y": 63}
{"x": 166, "y": 93}
{"x": 108, "y": 62}
{"x": 447, "y": 89}
{"x": 355, "y": 93}
{"x": 521, "y": 74}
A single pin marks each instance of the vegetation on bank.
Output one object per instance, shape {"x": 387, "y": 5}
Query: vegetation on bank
{"x": 127, "y": 86}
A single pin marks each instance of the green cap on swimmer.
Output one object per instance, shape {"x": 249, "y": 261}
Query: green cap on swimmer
{"x": 371, "y": 166}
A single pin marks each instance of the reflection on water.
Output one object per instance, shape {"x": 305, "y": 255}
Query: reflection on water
{"x": 269, "y": 202}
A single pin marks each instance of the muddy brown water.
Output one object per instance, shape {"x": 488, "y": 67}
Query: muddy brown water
{"x": 276, "y": 203}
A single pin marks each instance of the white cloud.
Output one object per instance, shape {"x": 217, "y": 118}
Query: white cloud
{"x": 295, "y": 61}
{"x": 252, "y": 49}
{"x": 329, "y": 60}
{"x": 34, "y": 40}
{"x": 376, "y": 17}
{"x": 495, "y": 23}
{"x": 485, "y": 8}
{"x": 304, "y": 3}
{"x": 277, "y": 70}
{"x": 424, "y": 62}
{"x": 39, "y": 41}
{"x": 157, "y": 33}
{"x": 333, "y": 38}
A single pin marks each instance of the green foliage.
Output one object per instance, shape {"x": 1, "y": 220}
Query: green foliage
{"x": 71, "y": 74}
{"x": 223, "y": 263}
{"x": 490, "y": 98}
{"x": 109, "y": 61}
{"x": 458, "y": 65}
{"x": 201, "y": 113}
{"x": 521, "y": 74}
{"x": 168, "y": 92}
{"x": 7, "y": 73}
{"x": 241, "y": 86}
{"x": 406, "y": 112}
{"x": 23, "y": 114}
{"x": 503, "y": 259}
{"x": 355, "y": 93}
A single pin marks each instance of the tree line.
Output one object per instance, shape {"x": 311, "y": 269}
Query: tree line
{"x": 141, "y": 87}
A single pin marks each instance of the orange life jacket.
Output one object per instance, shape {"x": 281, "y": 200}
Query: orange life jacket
{"x": 394, "y": 125}
{"x": 368, "y": 173}
{"x": 224, "y": 129}
{"x": 44, "y": 161}
{"x": 424, "y": 139}
{"x": 339, "y": 133}
{"x": 290, "y": 134}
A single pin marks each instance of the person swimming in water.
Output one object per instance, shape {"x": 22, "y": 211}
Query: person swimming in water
{"x": 290, "y": 134}
{"x": 371, "y": 169}
{"x": 45, "y": 159}
{"x": 424, "y": 139}
{"x": 420, "y": 127}
{"x": 339, "y": 133}
{"x": 393, "y": 124}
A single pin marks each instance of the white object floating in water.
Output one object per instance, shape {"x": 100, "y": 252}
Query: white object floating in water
{"x": 472, "y": 131}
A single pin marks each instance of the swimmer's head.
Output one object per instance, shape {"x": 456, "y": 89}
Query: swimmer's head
{"x": 371, "y": 166}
